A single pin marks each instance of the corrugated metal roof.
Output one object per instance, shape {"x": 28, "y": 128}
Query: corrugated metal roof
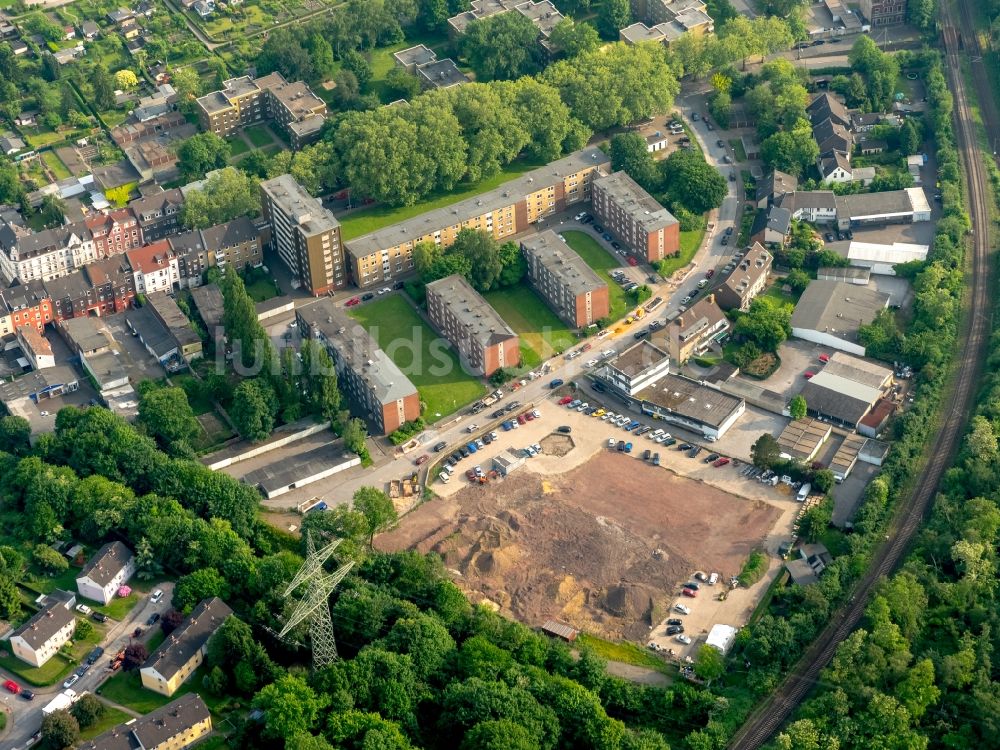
{"x": 559, "y": 629}
{"x": 846, "y": 387}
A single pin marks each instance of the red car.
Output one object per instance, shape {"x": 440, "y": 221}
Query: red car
{"x": 565, "y": 400}
{"x": 471, "y": 475}
{"x": 690, "y": 592}
{"x": 529, "y": 416}
{"x": 721, "y": 462}
{"x": 12, "y": 686}
{"x": 422, "y": 459}
{"x": 521, "y": 419}
{"x": 808, "y": 374}
{"x": 586, "y": 347}
{"x": 352, "y": 302}
{"x": 824, "y": 358}
{"x": 632, "y": 261}
{"x": 710, "y": 274}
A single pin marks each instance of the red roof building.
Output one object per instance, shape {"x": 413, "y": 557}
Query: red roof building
{"x": 115, "y": 233}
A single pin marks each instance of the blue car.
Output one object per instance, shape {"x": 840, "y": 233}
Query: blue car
{"x": 574, "y": 403}
{"x": 628, "y": 447}
{"x": 506, "y": 426}
{"x": 634, "y": 425}
{"x": 556, "y": 383}
{"x": 472, "y": 447}
{"x": 607, "y": 237}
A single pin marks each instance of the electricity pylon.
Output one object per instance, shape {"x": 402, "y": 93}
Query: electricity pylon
{"x": 315, "y": 605}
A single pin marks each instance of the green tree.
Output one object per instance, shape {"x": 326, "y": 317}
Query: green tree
{"x": 547, "y": 121}
{"x": 765, "y": 452}
{"x": 425, "y": 639}
{"x": 200, "y": 584}
{"x": 354, "y": 435}
{"x": 88, "y": 710}
{"x": 320, "y": 381}
{"x": 500, "y": 734}
{"x": 357, "y": 729}
{"x": 60, "y": 730}
{"x": 167, "y": 416}
{"x": 766, "y": 324}
{"x": 804, "y": 735}
{"x": 243, "y": 331}
{"x": 102, "y": 86}
{"x": 502, "y": 46}
{"x": 709, "y": 665}
{"x": 377, "y": 509}
{"x": 483, "y": 253}
{"x": 126, "y": 79}
{"x": 290, "y": 706}
{"x": 629, "y": 153}
{"x": 401, "y": 85}
{"x": 797, "y": 409}
{"x": 146, "y": 564}
{"x": 48, "y": 559}
{"x": 253, "y": 409}
{"x": 798, "y": 280}
{"x": 200, "y": 154}
{"x": 571, "y": 38}
{"x": 909, "y": 138}
{"x": 187, "y": 84}
{"x": 816, "y": 520}
{"x": 15, "y": 435}
{"x": 613, "y": 16}
{"x": 693, "y": 183}
{"x": 225, "y": 196}
{"x": 791, "y": 151}
{"x": 10, "y": 598}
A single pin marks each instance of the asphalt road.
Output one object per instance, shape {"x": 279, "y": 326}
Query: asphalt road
{"x": 25, "y": 717}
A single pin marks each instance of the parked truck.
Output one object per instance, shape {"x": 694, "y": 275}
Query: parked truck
{"x": 62, "y": 701}
{"x": 492, "y": 398}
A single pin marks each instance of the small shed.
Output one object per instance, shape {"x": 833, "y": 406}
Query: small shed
{"x": 507, "y": 462}
{"x": 560, "y": 630}
{"x": 721, "y": 637}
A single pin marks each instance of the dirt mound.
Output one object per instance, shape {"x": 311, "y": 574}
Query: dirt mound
{"x": 557, "y": 444}
{"x": 628, "y": 601}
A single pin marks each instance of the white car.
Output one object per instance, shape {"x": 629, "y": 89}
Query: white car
{"x": 682, "y": 609}
{"x": 472, "y": 427}
{"x": 608, "y": 415}
{"x": 655, "y": 434}
{"x": 685, "y": 639}
{"x": 71, "y": 681}
{"x": 156, "y": 596}
{"x": 664, "y": 437}
{"x": 713, "y": 579}
{"x": 535, "y": 413}
{"x": 384, "y": 290}
{"x": 590, "y": 363}
{"x": 83, "y": 609}
{"x": 583, "y": 407}
{"x": 612, "y": 442}
{"x": 602, "y": 334}
{"x": 579, "y": 216}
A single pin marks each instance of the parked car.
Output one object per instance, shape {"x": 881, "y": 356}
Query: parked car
{"x": 607, "y": 237}
{"x": 684, "y": 610}
{"x": 721, "y": 462}
{"x": 156, "y": 596}
{"x": 669, "y": 441}
{"x": 808, "y": 374}
{"x": 438, "y": 447}
{"x": 12, "y": 687}
{"x": 83, "y": 609}
{"x": 710, "y": 273}
{"x": 689, "y": 592}
{"x": 98, "y": 652}
{"x": 71, "y": 681}
{"x": 713, "y": 579}
{"x": 367, "y": 296}
{"x": 422, "y": 459}
{"x": 352, "y": 302}
{"x": 675, "y": 621}
{"x": 27, "y": 695}
{"x": 685, "y": 639}
{"x": 710, "y": 458}
{"x": 675, "y": 629}
{"x": 720, "y": 143}
{"x": 598, "y": 228}
{"x": 556, "y": 383}
{"x": 628, "y": 447}
{"x": 612, "y": 442}
{"x": 685, "y": 447}
{"x": 99, "y": 616}
{"x": 621, "y": 446}
{"x": 564, "y": 429}
{"x": 694, "y": 451}
{"x": 692, "y": 585}
{"x": 656, "y": 459}
{"x": 137, "y": 632}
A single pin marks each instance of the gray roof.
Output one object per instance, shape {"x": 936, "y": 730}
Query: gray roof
{"x": 753, "y": 265}
{"x": 210, "y": 304}
{"x": 847, "y": 273}
{"x": 189, "y": 637}
{"x": 543, "y": 14}
{"x": 186, "y": 243}
{"x": 832, "y": 160}
{"x": 355, "y": 349}
{"x": 45, "y": 623}
{"x": 832, "y": 135}
{"x": 838, "y": 308}
{"x": 173, "y": 318}
{"x": 857, "y": 369}
{"x": 230, "y": 234}
{"x": 85, "y": 333}
{"x": 833, "y": 402}
{"x": 37, "y": 381}
{"x": 876, "y": 204}
{"x": 638, "y": 358}
{"x": 39, "y": 243}
{"x": 812, "y": 199}
{"x": 421, "y": 54}
{"x": 106, "y": 368}
{"x": 691, "y": 400}
{"x": 827, "y": 106}
{"x": 631, "y": 198}
{"x": 154, "y": 334}
{"x": 776, "y": 183}
{"x": 801, "y": 572}
{"x": 293, "y": 201}
{"x": 106, "y": 563}
{"x": 442, "y": 73}
{"x": 476, "y": 316}
{"x": 148, "y": 207}
{"x": 774, "y": 218}
{"x": 569, "y": 268}
{"x": 155, "y": 729}
{"x": 505, "y": 195}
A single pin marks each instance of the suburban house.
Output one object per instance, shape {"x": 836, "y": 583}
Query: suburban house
{"x": 746, "y": 281}
{"x": 483, "y": 340}
{"x": 183, "y": 651}
{"x": 771, "y": 226}
{"x": 771, "y": 189}
{"x": 175, "y": 726}
{"x": 41, "y": 637}
{"x": 695, "y": 328}
{"x": 884, "y": 12}
{"x": 106, "y": 572}
{"x": 814, "y": 206}
{"x": 828, "y": 107}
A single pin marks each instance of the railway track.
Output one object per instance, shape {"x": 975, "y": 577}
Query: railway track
{"x": 770, "y": 716}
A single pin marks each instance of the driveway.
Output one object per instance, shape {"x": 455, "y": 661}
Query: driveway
{"x": 25, "y": 717}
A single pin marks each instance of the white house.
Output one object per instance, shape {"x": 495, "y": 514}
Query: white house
{"x": 41, "y": 637}
{"x": 105, "y": 572}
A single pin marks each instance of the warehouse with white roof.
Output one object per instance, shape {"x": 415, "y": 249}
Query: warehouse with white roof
{"x": 906, "y": 206}
{"x": 879, "y": 258}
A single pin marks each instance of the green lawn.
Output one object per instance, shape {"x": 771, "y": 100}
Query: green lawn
{"x": 38, "y": 138}
{"x": 55, "y": 164}
{"x": 237, "y": 146}
{"x": 600, "y": 260}
{"x": 370, "y": 219}
{"x": 201, "y": 403}
{"x": 112, "y": 717}
{"x": 51, "y": 672}
{"x": 381, "y": 60}
{"x": 126, "y": 689}
{"x": 625, "y": 652}
{"x": 542, "y": 333}
{"x": 259, "y": 136}
{"x": 261, "y": 290}
{"x": 120, "y": 606}
{"x": 738, "y": 150}
{"x": 435, "y": 370}
{"x": 690, "y": 242}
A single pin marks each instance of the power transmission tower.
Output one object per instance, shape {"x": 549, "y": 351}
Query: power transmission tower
{"x": 315, "y": 605}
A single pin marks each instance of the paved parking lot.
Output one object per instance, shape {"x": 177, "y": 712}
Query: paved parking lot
{"x": 797, "y": 358}
{"x": 138, "y": 363}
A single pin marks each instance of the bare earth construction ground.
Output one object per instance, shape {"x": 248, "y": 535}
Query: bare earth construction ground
{"x": 604, "y": 546}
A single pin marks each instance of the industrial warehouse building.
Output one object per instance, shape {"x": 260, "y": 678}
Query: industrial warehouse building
{"x": 907, "y": 206}
{"x": 691, "y": 405}
{"x": 831, "y": 313}
{"x": 846, "y": 390}
{"x": 879, "y": 258}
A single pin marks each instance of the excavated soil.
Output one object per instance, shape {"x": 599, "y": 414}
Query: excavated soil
{"x": 603, "y": 547}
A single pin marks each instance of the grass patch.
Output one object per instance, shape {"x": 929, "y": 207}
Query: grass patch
{"x": 237, "y": 146}
{"x": 689, "y": 244}
{"x": 112, "y": 717}
{"x": 368, "y": 220}
{"x": 119, "y": 607}
{"x": 627, "y": 653}
{"x": 779, "y": 296}
{"x": 739, "y": 152}
{"x": 51, "y": 672}
{"x": 38, "y": 138}
{"x": 126, "y": 689}
{"x": 259, "y": 136}
{"x": 542, "y": 333}
{"x": 55, "y": 164}
{"x": 198, "y": 396}
{"x": 754, "y": 568}
{"x": 261, "y": 290}
{"x": 600, "y": 260}
{"x": 435, "y": 370}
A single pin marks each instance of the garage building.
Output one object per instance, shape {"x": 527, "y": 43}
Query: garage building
{"x": 802, "y": 439}
{"x": 879, "y": 258}
{"x": 906, "y": 206}
{"x": 830, "y": 313}
{"x": 691, "y": 405}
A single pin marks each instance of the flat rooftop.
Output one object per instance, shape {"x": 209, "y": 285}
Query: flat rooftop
{"x": 837, "y": 307}
{"x": 690, "y": 399}
{"x": 477, "y": 317}
{"x": 631, "y": 198}
{"x": 558, "y": 258}
{"x": 421, "y": 54}
{"x": 295, "y": 203}
{"x": 857, "y": 370}
{"x": 280, "y": 475}
{"x": 504, "y": 196}
{"x": 209, "y": 303}
{"x": 888, "y": 203}
{"x": 802, "y": 437}
{"x": 638, "y": 358}
{"x": 442, "y": 74}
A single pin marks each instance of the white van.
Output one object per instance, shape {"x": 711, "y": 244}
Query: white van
{"x": 804, "y": 491}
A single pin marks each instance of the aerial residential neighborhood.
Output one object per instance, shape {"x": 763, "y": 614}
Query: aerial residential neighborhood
{"x": 497, "y": 374}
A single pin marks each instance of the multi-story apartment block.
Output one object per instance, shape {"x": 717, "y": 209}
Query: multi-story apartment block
{"x": 543, "y": 14}
{"x": 746, "y": 281}
{"x": 666, "y": 21}
{"x": 45, "y": 632}
{"x": 503, "y": 212}
{"x": 237, "y": 242}
{"x": 114, "y": 233}
{"x": 183, "y": 651}
{"x": 111, "y": 567}
{"x": 305, "y": 235}
{"x": 26, "y": 255}
{"x": 103, "y": 287}
{"x": 24, "y": 305}
{"x": 571, "y": 288}
{"x": 884, "y": 12}
{"x": 484, "y": 342}
{"x": 244, "y": 101}
{"x": 649, "y": 231}
{"x": 192, "y": 258}
{"x": 154, "y": 267}
{"x": 159, "y": 214}
{"x": 377, "y": 389}
{"x": 694, "y": 329}
{"x": 176, "y": 726}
